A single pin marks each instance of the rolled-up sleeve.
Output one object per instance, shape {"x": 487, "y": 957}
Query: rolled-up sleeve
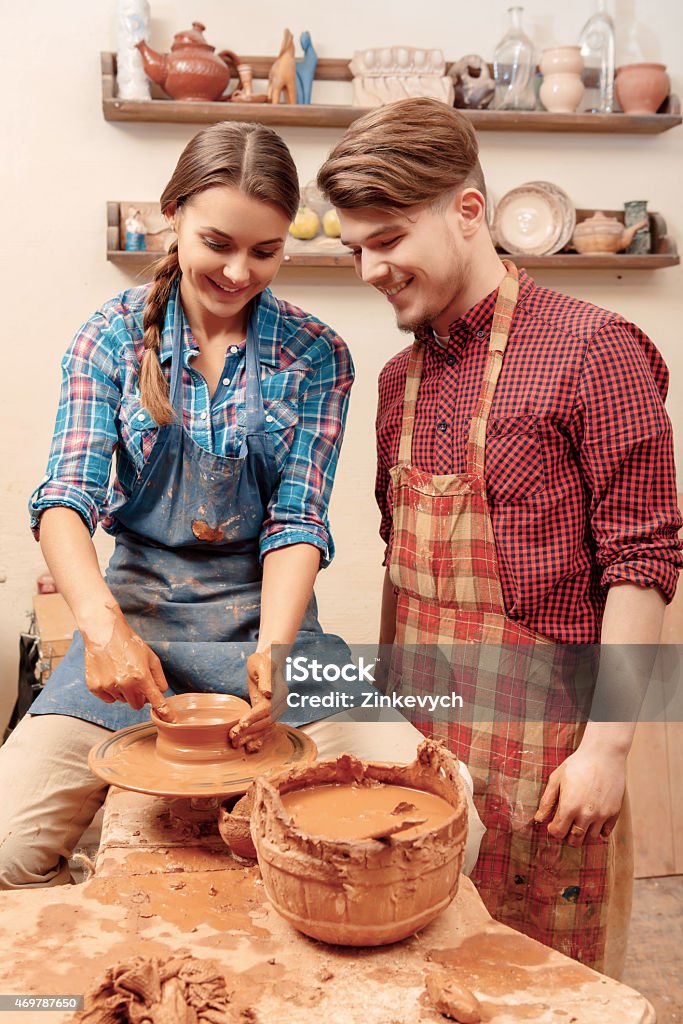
{"x": 85, "y": 434}
{"x": 627, "y": 460}
{"x": 298, "y": 511}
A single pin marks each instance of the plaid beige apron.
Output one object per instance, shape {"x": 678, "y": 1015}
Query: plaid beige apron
{"x": 453, "y": 635}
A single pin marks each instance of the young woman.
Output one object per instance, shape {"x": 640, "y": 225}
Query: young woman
{"x": 225, "y": 409}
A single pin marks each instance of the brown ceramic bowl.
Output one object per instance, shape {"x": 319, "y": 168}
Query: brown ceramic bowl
{"x": 199, "y": 731}
{"x": 361, "y": 892}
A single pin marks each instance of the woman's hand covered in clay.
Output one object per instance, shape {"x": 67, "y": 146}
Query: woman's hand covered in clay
{"x": 586, "y": 792}
{"x": 267, "y": 695}
{"x": 123, "y": 667}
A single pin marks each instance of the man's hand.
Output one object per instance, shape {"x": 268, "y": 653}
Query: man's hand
{"x": 586, "y": 793}
{"x": 267, "y": 695}
{"x": 119, "y": 666}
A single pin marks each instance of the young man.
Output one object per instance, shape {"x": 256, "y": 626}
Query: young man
{"x": 527, "y": 490}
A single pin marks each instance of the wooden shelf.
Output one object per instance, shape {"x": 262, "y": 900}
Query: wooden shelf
{"x": 341, "y": 116}
{"x": 664, "y": 252}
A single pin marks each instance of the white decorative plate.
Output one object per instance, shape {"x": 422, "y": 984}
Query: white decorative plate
{"x": 532, "y": 220}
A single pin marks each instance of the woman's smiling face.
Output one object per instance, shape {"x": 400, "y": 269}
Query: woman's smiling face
{"x": 230, "y": 247}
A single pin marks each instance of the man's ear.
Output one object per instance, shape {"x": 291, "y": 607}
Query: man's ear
{"x": 472, "y": 210}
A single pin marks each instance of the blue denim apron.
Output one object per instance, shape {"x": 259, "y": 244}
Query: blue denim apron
{"x": 185, "y": 568}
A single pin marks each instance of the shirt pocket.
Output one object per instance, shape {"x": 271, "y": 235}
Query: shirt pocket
{"x": 138, "y": 430}
{"x": 282, "y": 418}
{"x": 514, "y": 459}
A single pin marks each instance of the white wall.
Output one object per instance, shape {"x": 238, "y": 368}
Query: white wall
{"x": 62, "y": 162}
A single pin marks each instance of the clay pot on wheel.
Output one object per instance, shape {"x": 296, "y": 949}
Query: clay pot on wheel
{"x": 641, "y": 88}
{"x": 362, "y": 892}
{"x": 200, "y": 727}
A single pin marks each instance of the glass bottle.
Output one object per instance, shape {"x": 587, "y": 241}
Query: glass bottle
{"x": 597, "y": 49}
{"x": 514, "y": 67}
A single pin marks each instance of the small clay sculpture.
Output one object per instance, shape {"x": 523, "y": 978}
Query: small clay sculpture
{"x": 474, "y": 86}
{"x": 243, "y": 93}
{"x": 452, "y": 999}
{"x": 282, "y": 74}
{"x": 305, "y": 69}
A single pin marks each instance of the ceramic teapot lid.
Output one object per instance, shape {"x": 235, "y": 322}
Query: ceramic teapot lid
{"x": 191, "y": 37}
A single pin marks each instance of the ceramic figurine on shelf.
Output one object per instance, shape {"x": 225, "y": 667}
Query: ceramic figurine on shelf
{"x": 474, "y": 86}
{"x": 135, "y": 232}
{"x": 396, "y": 72}
{"x": 282, "y": 74}
{"x": 305, "y": 69}
{"x": 132, "y": 26}
{"x": 244, "y": 92}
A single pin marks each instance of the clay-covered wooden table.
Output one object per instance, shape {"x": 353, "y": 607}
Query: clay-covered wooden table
{"x": 165, "y": 885}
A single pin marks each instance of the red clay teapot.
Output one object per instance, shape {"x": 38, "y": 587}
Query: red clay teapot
{"x": 192, "y": 70}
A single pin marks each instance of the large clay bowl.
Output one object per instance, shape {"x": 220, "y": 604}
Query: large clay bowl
{"x": 362, "y": 892}
{"x": 200, "y": 727}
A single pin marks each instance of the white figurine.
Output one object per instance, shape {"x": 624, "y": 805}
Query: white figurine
{"x": 132, "y": 26}
{"x": 392, "y": 73}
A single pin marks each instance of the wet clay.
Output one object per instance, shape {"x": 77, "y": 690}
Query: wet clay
{"x": 451, "y": 999}
{"x": 158, "y": 991}
{"x": 354, "y": 811}
{"x": 234, "y": 825}
{"x": 362, "y": 892}
{"x": 130, "y": 760}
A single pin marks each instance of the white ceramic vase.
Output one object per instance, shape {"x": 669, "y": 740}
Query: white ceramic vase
{"x": 562, "y": 87}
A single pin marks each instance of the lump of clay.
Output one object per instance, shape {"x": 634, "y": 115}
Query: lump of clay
{"x": 452, "y": 999}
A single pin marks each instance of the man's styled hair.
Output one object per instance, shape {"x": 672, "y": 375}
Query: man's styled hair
{"x": 402, "y": 154}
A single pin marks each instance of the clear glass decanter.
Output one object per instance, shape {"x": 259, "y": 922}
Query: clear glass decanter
{"x": 514, "y": 67}
{"x": 597, "y": 49}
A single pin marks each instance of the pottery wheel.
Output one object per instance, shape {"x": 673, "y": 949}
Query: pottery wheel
{"x": 128, "y": 759}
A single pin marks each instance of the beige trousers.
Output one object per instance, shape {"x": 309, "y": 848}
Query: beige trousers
{"x": 49, "y": 795}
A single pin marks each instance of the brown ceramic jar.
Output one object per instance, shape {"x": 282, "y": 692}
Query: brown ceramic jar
{"x": 641, "y": 88}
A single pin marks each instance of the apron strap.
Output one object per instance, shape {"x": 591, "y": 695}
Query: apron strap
{"x": 176, "y": 390}
{"x": 506, "y": 302}
{"x": 256, "y": 416}
{"x": 413, "y": 377}
{"x": 255, "y": 413}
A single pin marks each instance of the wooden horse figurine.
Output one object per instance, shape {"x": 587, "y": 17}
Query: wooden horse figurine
{"x": 282, "y": 75}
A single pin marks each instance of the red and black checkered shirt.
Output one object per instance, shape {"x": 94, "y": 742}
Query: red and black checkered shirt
{"x": 580, "y": 474}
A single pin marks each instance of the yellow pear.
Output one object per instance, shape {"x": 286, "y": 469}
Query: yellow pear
{"x": 331, "y": 225}
{"x": 306, "y": 224}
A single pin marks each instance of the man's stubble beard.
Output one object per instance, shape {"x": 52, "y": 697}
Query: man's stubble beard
{"x": 427, "y": 318}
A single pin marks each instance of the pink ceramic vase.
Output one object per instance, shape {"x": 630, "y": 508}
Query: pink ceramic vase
{"x": 641, "y": 88}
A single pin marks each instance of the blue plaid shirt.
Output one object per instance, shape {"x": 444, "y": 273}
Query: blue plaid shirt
{"x": 306, "y": 372}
